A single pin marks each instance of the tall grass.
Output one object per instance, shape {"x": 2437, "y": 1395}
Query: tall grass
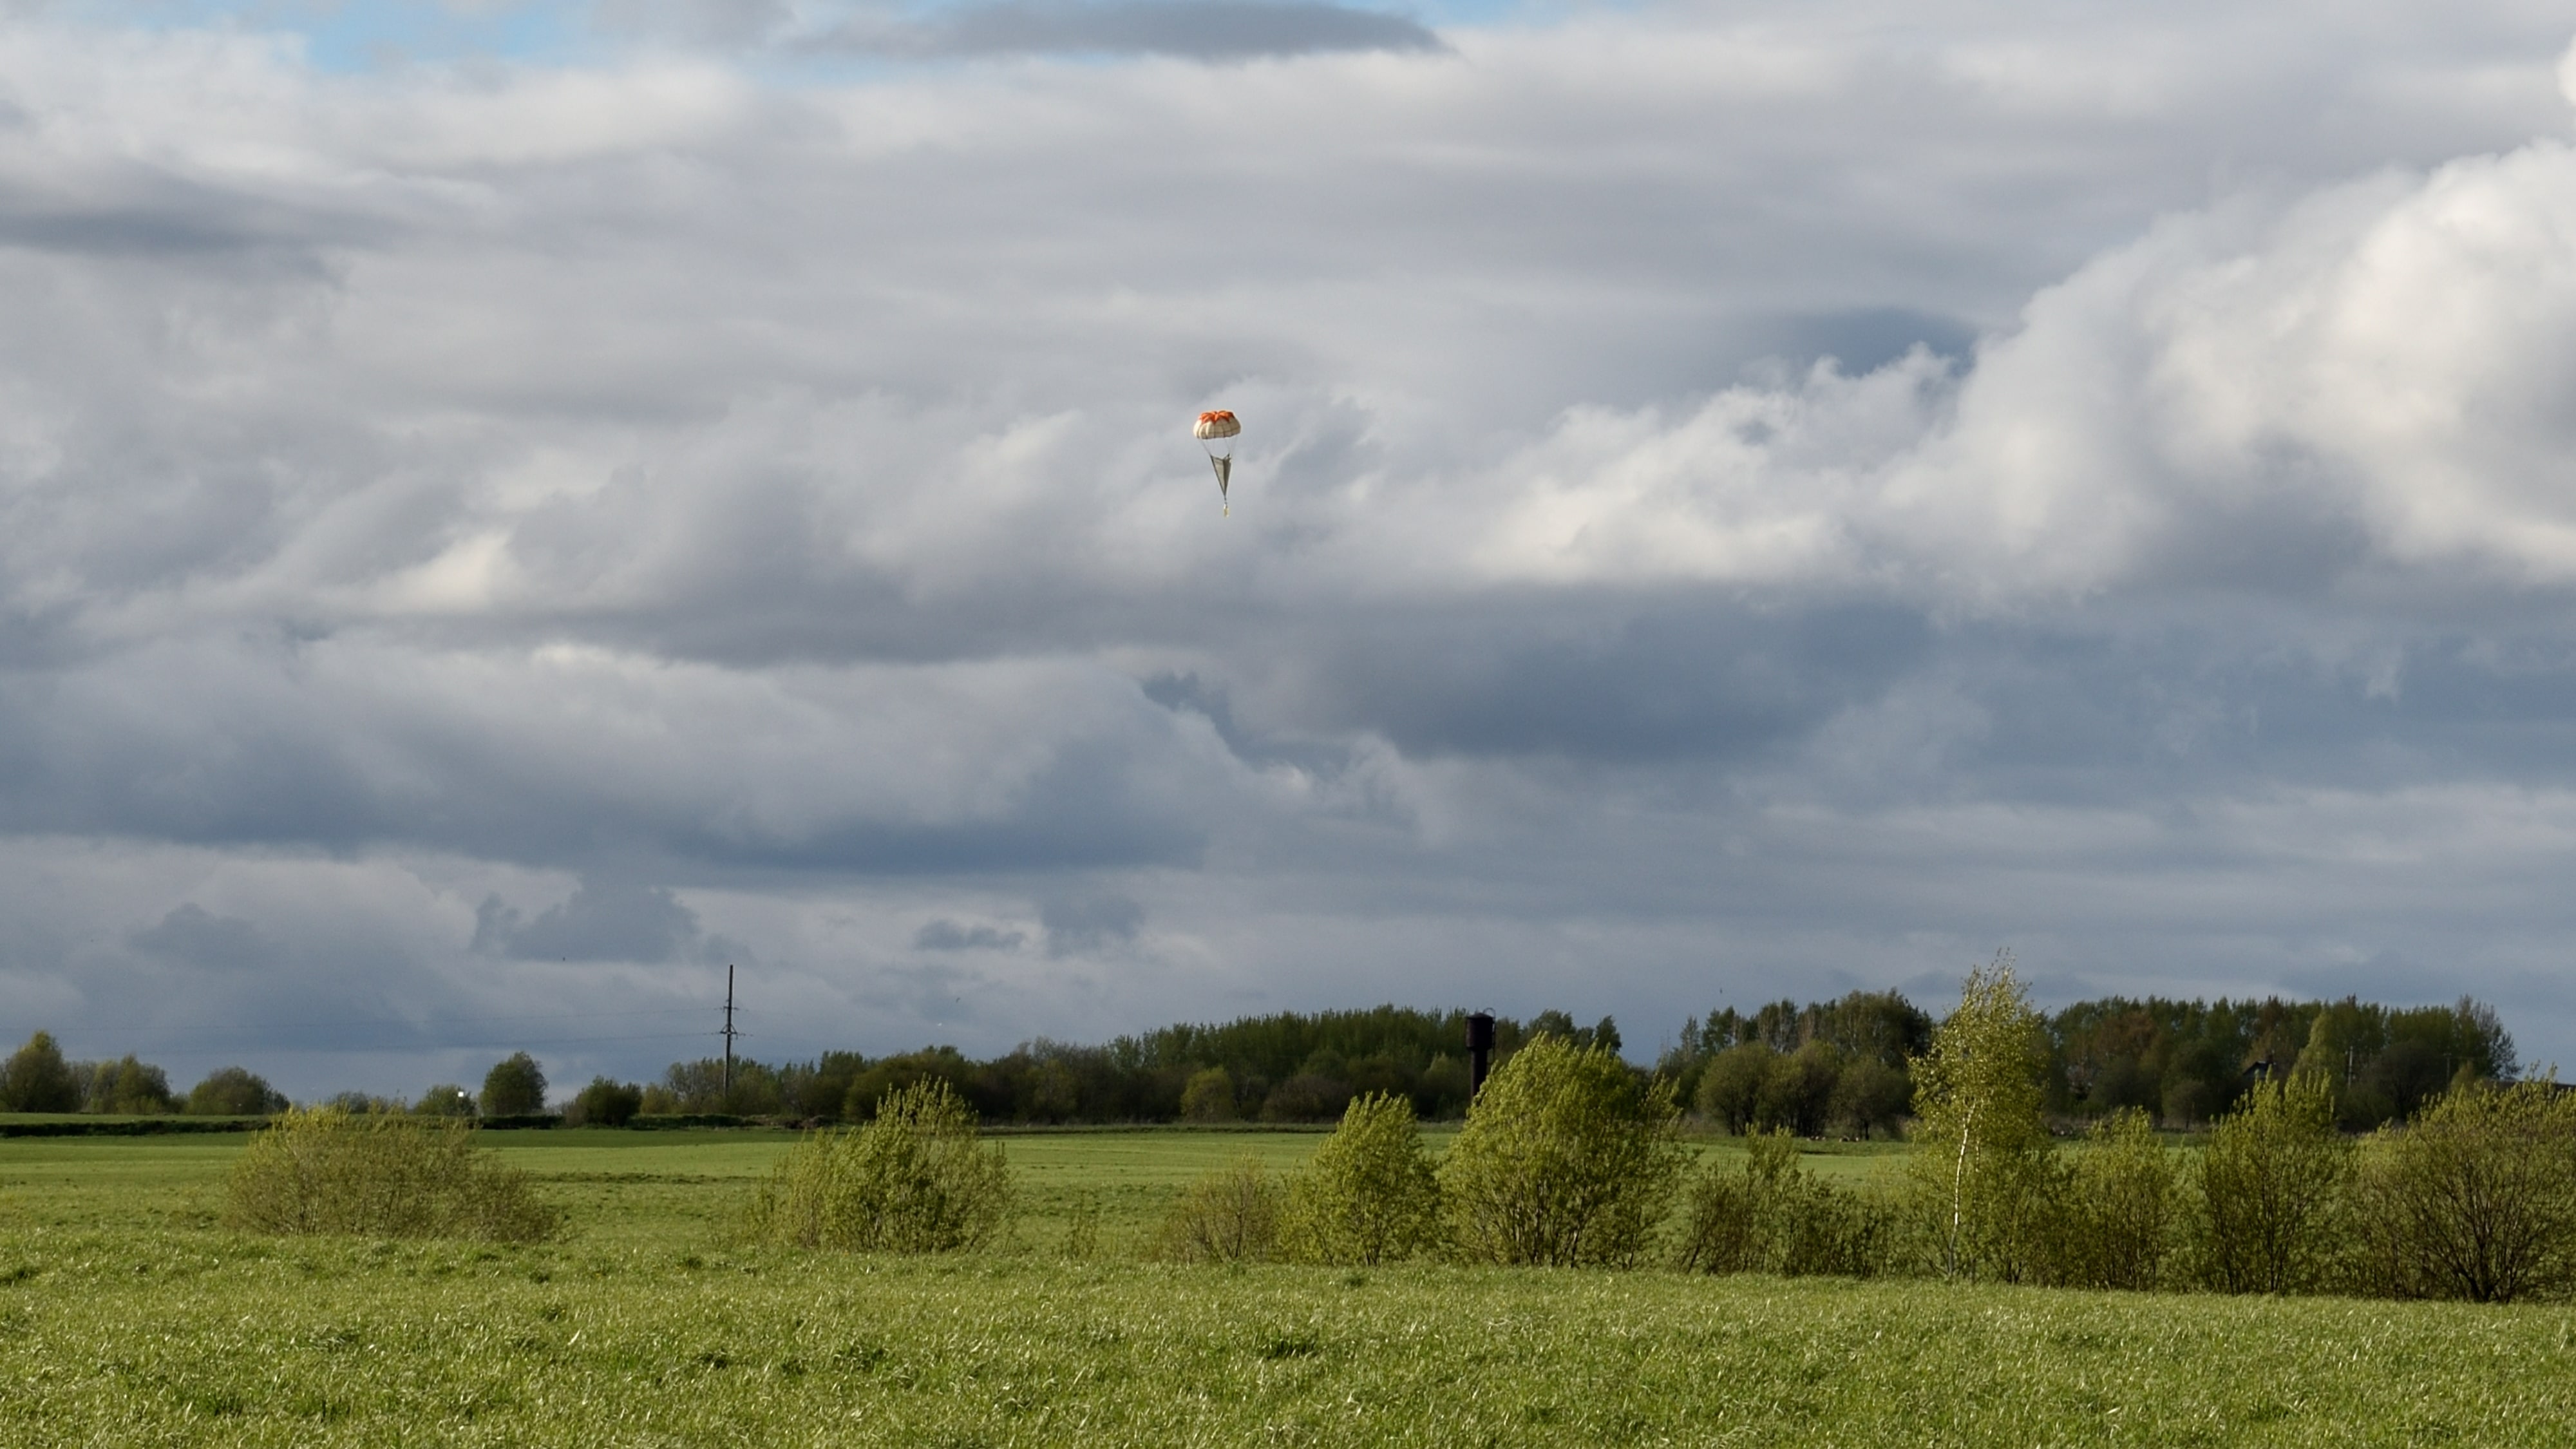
{"x": 1230, "y": 1215}
{"x": 380, "y": 1175}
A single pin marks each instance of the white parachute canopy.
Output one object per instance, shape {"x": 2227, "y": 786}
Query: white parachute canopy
{"x": 1218, "y": 430}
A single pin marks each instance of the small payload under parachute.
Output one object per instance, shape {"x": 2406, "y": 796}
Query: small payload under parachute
{"x": 1217, "y": 430}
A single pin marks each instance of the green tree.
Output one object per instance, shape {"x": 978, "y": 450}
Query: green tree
{"x": 37, "y": 1079}
{"x": 2476, "y": 1199}
{"x": 1732, "y": 1085}
{"x": 606, "y": 1102}
{"x": 918, "y": 1179}
{"x": 1567, "y": 1158}
{"x": 1368, "y": 1195}
{"x": 515, "y": 1087}
{"x": 1869, "y": 1097}
{"x": 234, "y": 1092}
{"x": 446, "y": 1099}
{"x": 1208, "y": 1097}
{"x": 879, "y": 1079}
{"x": 130, "y": 1087}
{"x": 1982, "y": 1149}
{"x": 2268, "y": 1189}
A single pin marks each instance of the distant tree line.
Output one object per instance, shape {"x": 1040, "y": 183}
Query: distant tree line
{"x": 1842, "y": 1068}
{"x": 36, "y": 1078}
{"x": 1846, "y": 1068}
{"x": 1285, "y": 1067}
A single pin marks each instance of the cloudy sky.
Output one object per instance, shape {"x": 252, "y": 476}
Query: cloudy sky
{"x": 507, "y": 508}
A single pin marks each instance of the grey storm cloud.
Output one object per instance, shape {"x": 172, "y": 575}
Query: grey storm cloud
{"x": 1088, "y": 924}
{"x": 1733, "y": 504}
{"x": 194, "y": 935}
{"x": 947, "y": 935}
{"x": 604, "y": 920}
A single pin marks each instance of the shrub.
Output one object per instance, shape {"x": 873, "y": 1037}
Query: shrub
{"x": 2476, "y": 1200}
{"x": 1982, "y": 1158}
{"x": 515, "y": 1087}
{"x": 604, "y": 1103}
{"x": 1208, "y": 1097}
{"x": 37, "y": 1079}
{"x": 1230, "y": 1215}
{"x": 234, "y": 1092}
{"x": 2117, "y": 1207}
{"x": 918, "y": 1179}
{"x": 375, "y": 1175}
{"x": 1769, "y": 1215}
{"x": 2268, "y": 1190}
{"x": 1567, "y": 1158}
{"x": 1368, "y": 1195}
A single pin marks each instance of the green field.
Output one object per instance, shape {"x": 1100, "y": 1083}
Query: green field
{"x": 128, "y": 1317}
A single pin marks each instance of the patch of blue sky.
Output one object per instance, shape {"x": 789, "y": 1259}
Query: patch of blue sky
{"x": 357, "y": 36}
{"x": 367, "y": 35}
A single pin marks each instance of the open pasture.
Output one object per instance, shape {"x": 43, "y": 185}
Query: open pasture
{"x": 127, "y": 1316}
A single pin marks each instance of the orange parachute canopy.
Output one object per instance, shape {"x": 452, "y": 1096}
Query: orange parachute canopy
{"x": 1219, "y": 424}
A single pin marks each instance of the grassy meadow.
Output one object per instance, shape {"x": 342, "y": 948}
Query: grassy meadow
{"x": 129, "y": 1317}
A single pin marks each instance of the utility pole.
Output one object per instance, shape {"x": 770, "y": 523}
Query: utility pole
{"x": 729, "y": 1035}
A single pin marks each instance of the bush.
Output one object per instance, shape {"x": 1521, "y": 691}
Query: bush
{"x": 37, "y": 1079}
{"x": 2476, "y": 1200}
{"x": 2117, "y": 1207}
{"x": 604, "y": 1103}
{"x": 1368, "y": 1195}
{"x": 373, "y": 1175}
{"x": 1769, "y": 1215}
{"x": 918, "y": 1179}
{"x": 1230, "y": 1215}
{"x": 1208, "y": 1097}
{"x": 234, "y": 1092}
{"x": 1567, "y": 1158}
{"x": 515, "y": 1087}
{"x": 2268, "y": 1190}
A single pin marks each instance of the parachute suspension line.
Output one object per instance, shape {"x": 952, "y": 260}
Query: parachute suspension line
{"x": 1224, "y": 465}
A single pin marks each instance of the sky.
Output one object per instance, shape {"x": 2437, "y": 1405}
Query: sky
{"x": 507, "y": 509}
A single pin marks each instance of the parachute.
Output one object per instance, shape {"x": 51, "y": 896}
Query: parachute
{"x": 1215, "y": 429}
